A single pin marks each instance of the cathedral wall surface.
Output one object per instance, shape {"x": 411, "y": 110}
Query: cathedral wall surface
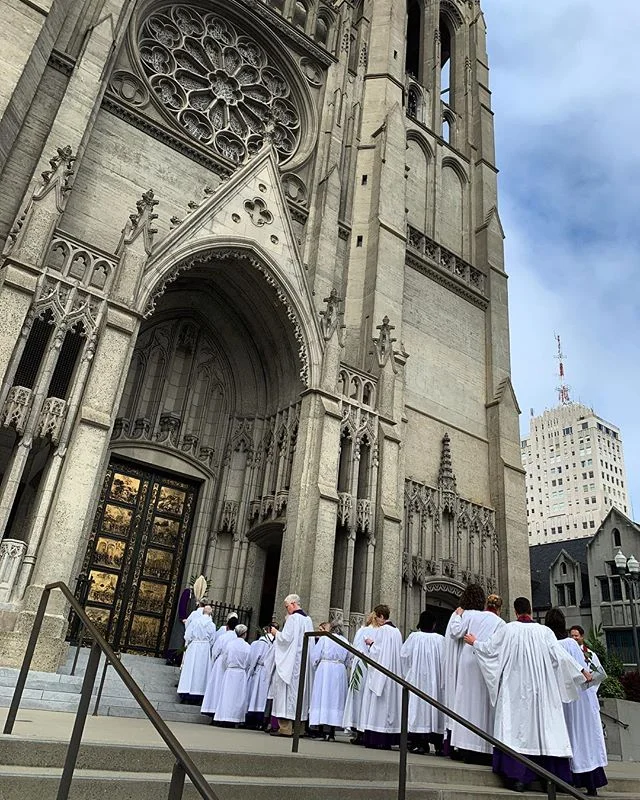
{"x": 120, "y": 164}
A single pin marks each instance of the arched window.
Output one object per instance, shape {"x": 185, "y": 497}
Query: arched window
{"x": 413, "y": 56}
{"x": 446, "y": 59}
{"x": 563, "y": 568}
{"x": 616, "y": 538}
{"x": 67, "y": 362}
{"x": 322, "y": 31}
{"x": 447, "y": 127}
{"x": 300, "y": 15}
{"x": 412, "y": 103}
{"x": 34, "y": 350}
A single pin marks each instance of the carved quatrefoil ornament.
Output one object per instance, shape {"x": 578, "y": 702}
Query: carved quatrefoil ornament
{"x": 218, "y": 83}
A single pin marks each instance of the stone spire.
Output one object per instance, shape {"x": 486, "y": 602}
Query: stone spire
{"x": 140, "y": 223}
{"x": 30, "y": 236}
{"x": 446, "y": 478}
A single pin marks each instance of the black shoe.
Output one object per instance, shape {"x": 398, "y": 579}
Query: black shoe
{"x": 518, "y": 786}
{"x": 592, "y": 793}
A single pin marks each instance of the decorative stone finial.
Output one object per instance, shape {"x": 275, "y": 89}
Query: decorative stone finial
{"x": 59, "y": 174}
{"x": 140, "y": 223}
{"x": 384, "y": 342}
{"x": 446, "y": 478}
{"x": 331, "y": 315}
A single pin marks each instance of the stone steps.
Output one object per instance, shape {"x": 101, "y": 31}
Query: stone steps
{"x": 32, "y": 767}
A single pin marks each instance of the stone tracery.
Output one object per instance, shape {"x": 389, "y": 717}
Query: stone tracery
{"x": 218, "y": 83}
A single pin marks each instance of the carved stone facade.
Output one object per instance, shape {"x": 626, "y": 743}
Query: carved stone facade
{"x": 303, "y": 323}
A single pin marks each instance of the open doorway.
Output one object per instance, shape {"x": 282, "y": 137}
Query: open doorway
{"x": 269, "y": 585}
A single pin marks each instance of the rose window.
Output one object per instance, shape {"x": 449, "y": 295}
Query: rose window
{"x": 218, "y": 83}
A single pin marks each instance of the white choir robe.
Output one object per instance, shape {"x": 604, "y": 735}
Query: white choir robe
{"x": 421, "y": 666}
{"x": 353, "y": 706}
{"x": 212, "y": 693}
{"x": 259, "y": 677}
{"x": 471, "y": 697}
{"x": 451, "y": 651}
{"x": 381, "y": 700}
{"x": 270, "y": 670}
{"x": 288, "y": 657}
{"x": 330, "y": 663}
{"x": 529, "y": 676}
{"x": 233, "y": 694}
{"x": 194, "y": 615}
{"x": 196, "y": 662}
{"x": 583, "y": 716}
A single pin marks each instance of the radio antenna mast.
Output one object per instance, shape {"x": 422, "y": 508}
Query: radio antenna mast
{"x": 563, "y": 389}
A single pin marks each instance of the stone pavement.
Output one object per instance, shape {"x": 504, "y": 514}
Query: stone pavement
{"x": 57, "y": 725}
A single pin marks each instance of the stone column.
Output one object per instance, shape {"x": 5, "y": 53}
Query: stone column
{"x": 77, "y": 491}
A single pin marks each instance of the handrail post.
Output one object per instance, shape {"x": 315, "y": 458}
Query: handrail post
{"x": 551, "y": 790}
{"x": 177, "y": 782}
{"x": 303, "y": 674}
{"x": 26, "y": 662}
{"x": 78, "y": 726}
{"x": 404, "y": 742}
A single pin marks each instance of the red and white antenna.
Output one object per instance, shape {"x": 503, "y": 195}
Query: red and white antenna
{"x": 563, "y": 389}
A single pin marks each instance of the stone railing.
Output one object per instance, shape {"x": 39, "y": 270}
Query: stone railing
{"x": 16, "y": 408}
{"x": 11, "y": 554}
{"x": 444, "y": 260}
{"x": 52, "y": 416}
{"x": 345, "y": 507}
{"x": 167, "y": 433}
{"x": 77, "y": 261}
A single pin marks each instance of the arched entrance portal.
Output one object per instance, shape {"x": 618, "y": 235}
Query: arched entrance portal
{"x": 211, "y": 401}
{"x": 441, "y": 598}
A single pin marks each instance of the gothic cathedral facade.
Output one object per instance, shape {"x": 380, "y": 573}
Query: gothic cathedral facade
{"x": 254, "y": 313}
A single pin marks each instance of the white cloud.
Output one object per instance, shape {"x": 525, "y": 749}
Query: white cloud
{"x": 567, "y": 103}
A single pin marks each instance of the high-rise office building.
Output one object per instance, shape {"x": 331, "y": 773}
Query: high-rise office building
{"x": 574, "y": 462}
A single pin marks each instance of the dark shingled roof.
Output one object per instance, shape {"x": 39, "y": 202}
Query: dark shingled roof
{"x": 542, "y": 556}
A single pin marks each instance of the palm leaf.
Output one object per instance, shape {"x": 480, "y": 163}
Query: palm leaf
{"x": 356, "y": 677}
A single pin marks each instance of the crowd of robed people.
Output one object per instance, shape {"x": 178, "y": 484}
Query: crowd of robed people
{"x": 531, "y": 686}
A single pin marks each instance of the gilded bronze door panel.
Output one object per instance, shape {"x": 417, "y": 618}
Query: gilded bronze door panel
{"x": 135, "y": 556}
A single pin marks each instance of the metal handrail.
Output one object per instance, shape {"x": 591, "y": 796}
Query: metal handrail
{"x": 619, "y": 722}
{"x": 184, "y": 765}
{"x": 553, "y": 782}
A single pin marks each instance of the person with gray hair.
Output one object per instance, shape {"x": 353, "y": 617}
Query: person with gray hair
{"x": 233, "y": 697}
{"x": 288, "y": 663}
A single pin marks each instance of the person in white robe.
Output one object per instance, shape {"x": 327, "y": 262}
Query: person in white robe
{"x": 197, "y": 612}
{"x": 271, "y": 723}
{"x": 421, "y": 656}
{"x": 196, "y": 663}
{"x": 259, "y": 679}
{"x": 471, "y": 698}
{"x": 529, "y": 676}
{"x": 583, "y": 715}
{"x": 233, "y": 697}
{"x": 288, "y": 664}
{"x": 232, "y": 621}
{"x": 211, "y": 695}
{"x": 357, "y": 679}
{"x": 330, "y": 663}
{"x": 382, "y": 696}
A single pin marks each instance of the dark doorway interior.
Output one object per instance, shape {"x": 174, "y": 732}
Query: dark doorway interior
{"x": 442, "y": 615}
{"x": 269, "y": 584}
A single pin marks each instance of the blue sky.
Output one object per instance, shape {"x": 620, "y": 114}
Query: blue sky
{"x": 565, "y": 77}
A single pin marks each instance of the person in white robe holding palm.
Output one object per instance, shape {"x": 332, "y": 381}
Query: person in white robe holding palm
{"x": 288, "y": 664}
{"x": 421, "y": 658}
{"x": 529, "y": 676}
{"x": 381, "y": 699}
{"x": 330, "y": 663}
{"x": 233, "y": 697}
{"x": 357, "y": 678}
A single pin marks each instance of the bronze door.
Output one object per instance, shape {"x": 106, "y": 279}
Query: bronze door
{"x": 135, "y": 555}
